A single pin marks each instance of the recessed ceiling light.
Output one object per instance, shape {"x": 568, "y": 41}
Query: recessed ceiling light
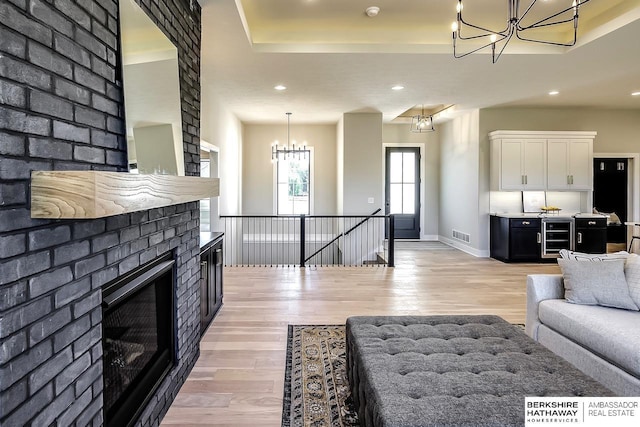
{"x": 635, "y": 93}
{"x": 553, "y": 92}
{"x": 397, "y": 87}
{"x": 279, "y": 87}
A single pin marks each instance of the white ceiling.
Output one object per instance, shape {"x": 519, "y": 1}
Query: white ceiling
{"x": 334, "y": 59}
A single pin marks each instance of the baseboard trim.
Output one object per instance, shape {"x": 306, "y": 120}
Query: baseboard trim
{"x": 464, "y": 248}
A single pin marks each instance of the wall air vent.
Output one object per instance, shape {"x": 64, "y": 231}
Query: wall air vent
{"x": 459, "y": 235}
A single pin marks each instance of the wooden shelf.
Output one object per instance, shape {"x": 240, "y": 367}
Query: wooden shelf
{"x": 96, "y": 194}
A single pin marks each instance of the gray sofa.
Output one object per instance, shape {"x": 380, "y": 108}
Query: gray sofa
{"x": 602, "y": 342}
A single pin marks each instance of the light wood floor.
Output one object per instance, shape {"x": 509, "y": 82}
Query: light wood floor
{"x": 239, "y": 377}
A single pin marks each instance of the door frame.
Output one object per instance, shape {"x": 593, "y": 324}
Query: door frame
{"x": 214, "y": 214}
{"x": 633, "y": 192}
{"x": 422, "y": 163}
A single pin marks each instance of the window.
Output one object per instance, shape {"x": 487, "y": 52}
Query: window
{"x": 209, "y": 167}
{"x": 293, "y": 183}
{"x": 402, "y": 183}
{"x": 205, "y": 204}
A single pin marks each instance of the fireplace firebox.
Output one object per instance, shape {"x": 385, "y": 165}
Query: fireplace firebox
{"x": 138, "y": 338}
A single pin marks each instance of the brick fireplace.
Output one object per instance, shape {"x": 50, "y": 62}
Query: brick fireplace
{"x": 61, "y": 108}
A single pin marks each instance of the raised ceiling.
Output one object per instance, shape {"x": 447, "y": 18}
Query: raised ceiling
{"x": 334, "y": 59}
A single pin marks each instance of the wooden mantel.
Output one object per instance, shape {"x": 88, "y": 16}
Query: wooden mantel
{"x": 96, "y": 194}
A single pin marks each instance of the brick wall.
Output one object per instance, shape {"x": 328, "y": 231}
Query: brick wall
{"x": 61, "y": 109}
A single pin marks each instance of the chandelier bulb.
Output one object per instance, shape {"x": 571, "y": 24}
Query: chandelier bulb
{"x": 493, "y": 38}
{"x": 459, "y": 6}
{"x": 454, "y": 26}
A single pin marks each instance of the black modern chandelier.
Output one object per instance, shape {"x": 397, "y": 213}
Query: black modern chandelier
{"x": 497, "y": 40}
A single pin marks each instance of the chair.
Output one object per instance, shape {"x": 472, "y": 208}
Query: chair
{"x": 634, "y": 237}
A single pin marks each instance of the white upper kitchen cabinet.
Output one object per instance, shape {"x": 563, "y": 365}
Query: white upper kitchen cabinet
{"x": 521, "y": 164}
{"x": 570, "y": 164}
{"x": 540, "y": 160}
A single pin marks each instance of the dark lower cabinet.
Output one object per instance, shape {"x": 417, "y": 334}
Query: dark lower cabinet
{"x": 591, "y": 235}
{"x": 515, "y": 239}
{"x": 211, "y": 262}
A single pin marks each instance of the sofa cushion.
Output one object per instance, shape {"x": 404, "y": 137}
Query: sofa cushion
{"x": 632, "y": 274}
{"x": 596, "y": 283}
{"x": 611, "y": 333}
{"x": 581, "y": 256}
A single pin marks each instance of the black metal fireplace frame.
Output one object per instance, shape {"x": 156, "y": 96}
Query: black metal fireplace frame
{"x": 127, "y": 412}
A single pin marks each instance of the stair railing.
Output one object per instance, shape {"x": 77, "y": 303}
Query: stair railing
{"x": 345, "y": 240}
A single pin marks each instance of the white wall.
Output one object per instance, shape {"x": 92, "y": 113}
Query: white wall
{"x": 221, "y": 128}
{"x": 460, "y": 205}
{"x": 618, "y": 130}
{"x": 400, "y": 135}
{"x": 362, "y": 163}
{"x": 340, "y": 167}
{"x": 258, "y": 169}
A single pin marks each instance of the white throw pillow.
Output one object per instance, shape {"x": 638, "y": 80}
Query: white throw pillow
{"x": 596, "y": 283}
{"x": 632, "y": 274}
{"x": 581, "y": 256}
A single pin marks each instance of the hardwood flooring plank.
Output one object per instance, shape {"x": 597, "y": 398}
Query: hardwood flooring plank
{"x": 238, "y": 379}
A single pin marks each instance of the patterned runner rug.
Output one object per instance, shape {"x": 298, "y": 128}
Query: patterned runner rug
{"x": 316, "y": 386}
{"x": 316, "y": 389}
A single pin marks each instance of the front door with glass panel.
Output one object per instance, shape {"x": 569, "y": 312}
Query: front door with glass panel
{"x": 402, "y": 190}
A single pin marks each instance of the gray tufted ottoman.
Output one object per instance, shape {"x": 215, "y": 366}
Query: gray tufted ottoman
{"x": 452, "y": 371}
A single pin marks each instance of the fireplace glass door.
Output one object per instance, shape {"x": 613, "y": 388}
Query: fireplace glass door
{"x": 138, "y": 339}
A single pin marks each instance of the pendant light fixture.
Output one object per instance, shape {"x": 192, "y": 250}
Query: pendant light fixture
{"x": 290, "y": 148}
{"x": 422, "y": 123}
{"x": 497, "y": 40}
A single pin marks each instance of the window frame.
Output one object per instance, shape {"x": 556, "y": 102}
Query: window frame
{"x": 310, "y": 152}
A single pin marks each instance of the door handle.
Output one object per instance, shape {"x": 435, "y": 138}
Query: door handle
{"x": 539, "y": 236}
{"x": 579, "y": 237}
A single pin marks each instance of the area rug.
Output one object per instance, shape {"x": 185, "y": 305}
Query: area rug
{"x": 316, "y": 386}
{"x": 316, "y": 389}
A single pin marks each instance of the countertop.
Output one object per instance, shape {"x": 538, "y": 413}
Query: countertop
{"x": 206, "y": 238}
{"x": 542, "y": 215}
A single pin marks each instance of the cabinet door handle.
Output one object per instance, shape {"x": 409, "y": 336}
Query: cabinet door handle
{"x": 571, "y": 179}
{"x": 522, "y": 179}
{"x": 526, "y": 179}
{"x": 539, "y": 236}
{"x": 579, "y": 237}
{"x": 568, "y": 179}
